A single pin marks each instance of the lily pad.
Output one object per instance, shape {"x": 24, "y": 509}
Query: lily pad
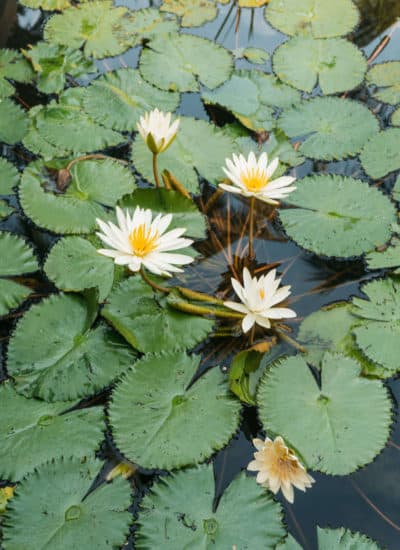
{"x": 358, "y": 216}
{"x": 185, "y": 158}
{"x": 148, "y": 323}
{"x": 127, "y": 96}
{"x": 378, "y": 336}
{"x": 344, "y": 539}
{"x": 5, "y": 209}
{"x": 386, "y": 76}
{"x": 381, "y": 155}
{"x": 72, "y": 361}
{"x": 9, "y": 177}
{"x": 95, "y": 185}
{"x": 318, "y": 18}
{"x": 193, "y": 13}
{"x": 386, "y": 259}
{"x": 17, "y": 257}
{"x": 74, "y": 264}
{"x": 53, "y": 63}
{"x": 163, "y": 201}
{"x": 329, "y": 423}
{"x": 98, "y": 26}
{"x": 53, "y": 504}
{"x": 14, "y": 122}
{"x": 34, "y": 431}
{"x": 334, "y": 63}
{"x": 11, "y": 295}
{"x": 48, "y": 5}
{"x": 180, "y": 62}
{"x": 12, "y": 67}
{"x": 331, "y": 128}
{"x": 160, "y": 423}
{"x": 395, "y": 118}
{"x": 184, "y": 503}
{"x": 252, "y": 97}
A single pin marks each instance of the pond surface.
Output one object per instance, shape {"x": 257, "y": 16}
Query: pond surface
{"x": 368, "y": 500}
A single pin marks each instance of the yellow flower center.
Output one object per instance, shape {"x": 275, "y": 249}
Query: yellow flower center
{"x": 143, "y": 240}
{"x": 254, "y": 180}
{"x": 261, "y": 293}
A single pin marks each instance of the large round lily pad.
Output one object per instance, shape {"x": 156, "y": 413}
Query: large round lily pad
{"x": 14, "y": 122}
{"x": 386, "y": 76}
{"x": 54, "y": 355}
{"x": 381, "y": 154}
{"x": 53, "y": 508}
{"x": 179, "y": 512}
{"x": 329, "y": 423}
{"x": 338, "y": 216}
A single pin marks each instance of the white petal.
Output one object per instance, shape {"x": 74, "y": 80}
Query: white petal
{"x": 273, "y": 165}
{"x": 248, "y": 322}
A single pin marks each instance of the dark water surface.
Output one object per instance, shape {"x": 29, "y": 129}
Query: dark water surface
{"x": 368, "y": 500}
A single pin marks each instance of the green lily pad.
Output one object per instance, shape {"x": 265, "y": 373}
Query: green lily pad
{"x": 127, "y": 96}
{"x": 5, "y": 209}
{"x": 9, "y": 177}
{"x": 163, "y": 201}
{"x": 98, "y": 26}
{"x": 396, "y": 190}
{"x": 386, "y": 76}
{"x": 74, "y": 264}
{"x": 185, "y": 158}
{"x": 158, "y": 423}
{"x": 344, "y": 539}
{"x": 330, "y": 424}
{"x": 179, "y": 62}
{"x": 16, "y": 255}
{"x": 145, "y": 24}
{"x": 252, "y": 97}
{"x": 52, "y": 506}
{"x": 257, "y": 56}
{"x": 53, "y": 63}
{"x": 395, "y": 119}
{"x": 47, "y": 5}
{"x": 34, "y": 431}
{"x": 14, "y": 122}
{"x": 334, "y": 63}
{"x": 332, "y": 128}
{"x": 36, "y": 143}
{"x": 148, "y": 323}
{"x": 381, "y": 154}
{"x": 95, "y": 185}
{"x": 12, "y": 67}
{"x": 11, "y": 295}
{"x": 193, "y": 13}
{"x": 54, "y": 355}
{"x": 360, "y": 217}
{"x": 289, "y": 543}
{"x": 69, "y": 129}
{"x": 180, "y": 508}
{"x": 386, "y": 259}
{"x": 319, "y": 18}
{"x": 378, "y": 336}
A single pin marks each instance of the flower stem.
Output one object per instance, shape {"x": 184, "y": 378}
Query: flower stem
{"x": 199, "y": 296}
{"x": 203, "y": 310}
{"x": 155, "y": 170}
{"x": 251, "y": 229}
{"x": 151, "y": 283}
{"x": 290, "y": 341}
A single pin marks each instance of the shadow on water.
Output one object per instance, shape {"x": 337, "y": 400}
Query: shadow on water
{"x": 368, "y": 500}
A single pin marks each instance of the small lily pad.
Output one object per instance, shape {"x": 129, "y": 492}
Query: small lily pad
{"x": 127, "y": 96}
{"x": 381, "y": 154}
{"x": 14, "y": 122}
{"x": 5, "y": 209}
{"x": 75, "y": 265}
{"x": 359, "y": 216}
{"x": 193, "y": 13}
{"x": 11, "y": 295}
{"x": 334, "y": 63}
{"x": 34, "y": 431}
{"x": 148, "y": 323}
{"x": 318, "y": 18}
{"x": 386, "y": 259}
{"x": 12, "y": 67}
{"x": 179, "y": 62}
{"x": 160, "y": 423}
{"x": 386, "y": 76}
{"x": 48, "y": 5}
{"x": 344, "y": 539}
{"x": 72, "y": 360}
{"x": 55, "y": 502}
{"x": 184, "y": 503}
{"x": 95, "y": 184}
{"x": 185, "y": 158}
{"x": 330, "y": 424}
{"x": 331, "y": 128}
{"x": 17, "y": 257}
{"x": 9, "y": 177}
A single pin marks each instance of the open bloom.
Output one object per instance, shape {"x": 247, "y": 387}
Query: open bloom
{"x": 252, "y": 178}
{"x": 258, "y": 297}
{"x": 138, "y": 240}
{"x": 279, "y": 468}
{"x": 157, "y": 131}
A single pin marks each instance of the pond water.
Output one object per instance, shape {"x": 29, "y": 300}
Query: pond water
{"x": 367, "y": 500}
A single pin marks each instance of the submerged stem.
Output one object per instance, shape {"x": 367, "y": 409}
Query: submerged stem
{"x": 151, "y": 283}
{"x": 155, "y": 170}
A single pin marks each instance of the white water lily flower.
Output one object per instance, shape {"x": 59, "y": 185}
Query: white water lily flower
{"x": 252, "y": 178}
{"x": 258, "y": 297}
{"x": 138, "y": 240}
{"x": 278, "y": 467}
{"x": 157, "y": 131}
